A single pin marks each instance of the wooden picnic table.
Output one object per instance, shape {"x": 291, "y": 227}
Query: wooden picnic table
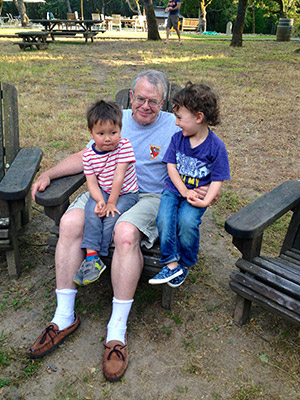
{"x": 71, "y": 27}
{"x": 30, "y": 39}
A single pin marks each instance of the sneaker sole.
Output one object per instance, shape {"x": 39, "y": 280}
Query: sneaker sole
{"x": 164, "y": 280}
{"x": 174, "y": 286}
{"x": 87, "y": 282}
{"x": 77, "y": 282}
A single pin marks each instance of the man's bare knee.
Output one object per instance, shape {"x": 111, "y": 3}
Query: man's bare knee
{"x": 126, "y": 235}
{"x": 72, "y": 224}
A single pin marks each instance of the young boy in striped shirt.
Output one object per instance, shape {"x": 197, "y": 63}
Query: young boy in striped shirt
{"x": 111, "y": 179}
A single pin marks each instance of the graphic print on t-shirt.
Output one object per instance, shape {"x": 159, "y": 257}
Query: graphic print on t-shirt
{"x": 191, "y": 169}
{"x": 154, "y": 151}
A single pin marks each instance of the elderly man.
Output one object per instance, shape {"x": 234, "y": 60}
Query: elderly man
{"x": 149, "y": 130}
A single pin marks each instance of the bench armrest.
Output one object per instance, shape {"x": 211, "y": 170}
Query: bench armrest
{"x": 16, "y": 183}
{"x": 252, "y": 220}
{"x": 60, "y": 190}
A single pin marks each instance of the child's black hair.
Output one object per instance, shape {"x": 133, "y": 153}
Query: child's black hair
{"x": 104, "y": 111}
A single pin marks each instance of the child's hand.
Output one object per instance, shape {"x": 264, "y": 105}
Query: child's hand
{"x": 111, "y": 208}
{"x": 189, "y": 193}
{"x": 196, "y": 202}
{"x": 100, "y": 208}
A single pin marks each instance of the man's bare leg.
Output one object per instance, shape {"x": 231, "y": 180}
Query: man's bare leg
{"x": 178, "y": 34}
{"x": 68, "y": 255}
{"x": 68, "y": 258}
{"x": 168, "y": 34}
{"x": 126, "y": 269}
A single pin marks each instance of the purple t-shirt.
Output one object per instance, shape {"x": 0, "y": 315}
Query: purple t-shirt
{"x": 200, "y": 165}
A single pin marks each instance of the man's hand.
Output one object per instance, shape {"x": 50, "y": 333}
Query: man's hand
{"x": 40, "y": 185}
{"x": 202, "y": 190}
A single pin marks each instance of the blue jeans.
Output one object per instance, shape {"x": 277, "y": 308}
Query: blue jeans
{"x": 178, "y": 227}
{"x": 98, "y": 231}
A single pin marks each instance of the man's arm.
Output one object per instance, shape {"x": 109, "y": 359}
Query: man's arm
{"x": 176, "y": 7}
{"x": 177, "y": 181}
{"x": 212, "y": 193}
{"x": 69, "y": 166}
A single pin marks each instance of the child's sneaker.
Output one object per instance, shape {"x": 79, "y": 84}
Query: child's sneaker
{"x": 92, "y": 270}
{"x": 180, "y": 279}
{"x": 78, "y": 278}
{"x": 89, "y": 271}
{"x": 165, "y": 275}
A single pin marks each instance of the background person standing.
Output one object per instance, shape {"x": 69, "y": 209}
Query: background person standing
{"x": 173, "y": 18}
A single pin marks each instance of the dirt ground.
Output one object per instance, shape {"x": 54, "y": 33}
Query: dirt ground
{"x": 192, "y": 352}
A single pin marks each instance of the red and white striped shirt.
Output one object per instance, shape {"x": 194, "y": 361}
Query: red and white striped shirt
{"x": 103, "y": 165}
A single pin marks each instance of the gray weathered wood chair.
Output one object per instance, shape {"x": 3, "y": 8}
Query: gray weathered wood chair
{"x": 273, "y": 283}
{"x": 56, "y": 199}
{"x": 17, "y": 170}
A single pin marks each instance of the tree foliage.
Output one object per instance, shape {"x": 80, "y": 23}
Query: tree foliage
{"x": 261, "y": 16}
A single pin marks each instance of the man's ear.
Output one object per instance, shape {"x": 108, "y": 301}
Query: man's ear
{"x": 131, "y": 96}
{"x": 200, "y": 117}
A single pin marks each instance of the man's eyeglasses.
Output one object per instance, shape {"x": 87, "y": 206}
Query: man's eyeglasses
{"x": 151, "y": 102}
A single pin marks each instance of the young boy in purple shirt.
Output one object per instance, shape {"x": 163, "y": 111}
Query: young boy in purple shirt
{"x": 195, "y": 157}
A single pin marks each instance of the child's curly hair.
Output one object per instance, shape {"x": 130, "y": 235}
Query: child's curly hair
{"x": 198, "y": 97}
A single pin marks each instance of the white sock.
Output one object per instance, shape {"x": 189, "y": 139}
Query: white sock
{"x": 117, "y": 326}
{"x": 64, "y": 313}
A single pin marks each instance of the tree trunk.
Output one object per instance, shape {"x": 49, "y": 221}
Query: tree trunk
{"x": 153, "y": 33}
{"x": 237, "y": 35}
{"x": 69, "y": 6}
{"x": 22, "y": 11}
{"x": 1, "y": 5}
{"x": 282, "y": 12}
{"x": 202, "y": 17}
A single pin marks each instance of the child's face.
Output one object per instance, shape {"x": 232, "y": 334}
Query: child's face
{"x": 188, "y": 122}
{"x": 106, "y": 135}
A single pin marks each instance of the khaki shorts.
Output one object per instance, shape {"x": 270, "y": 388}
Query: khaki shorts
{"x": 173, "y": 21}
{"x": 142, "y": 214}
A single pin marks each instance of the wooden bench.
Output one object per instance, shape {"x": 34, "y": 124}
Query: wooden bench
{"x": 17, "y": 170}
{"x": 189, "y": 24}
{"x": 33, "y": 39}
{"x": 273, "y": 283}
{"x": 55, "y": 200}
{"x": 71, "y": 33}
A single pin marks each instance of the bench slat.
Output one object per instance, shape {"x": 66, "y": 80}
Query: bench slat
{"x": 274, "y": 279}
{"x": 264, "y": 302}
{"x": 266, "y": 291}
{"x": 16, "y": 183}
{"x": 281, "y": 269}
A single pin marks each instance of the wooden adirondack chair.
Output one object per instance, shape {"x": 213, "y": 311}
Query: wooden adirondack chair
{"x": 273, "y": 283}
{"x": 56, "y": 199}
{"x": 17, "y": 170}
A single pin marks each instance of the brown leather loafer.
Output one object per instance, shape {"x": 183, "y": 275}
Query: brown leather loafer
{"x": 115, "y": 360}
{"x": 50, "y": 338}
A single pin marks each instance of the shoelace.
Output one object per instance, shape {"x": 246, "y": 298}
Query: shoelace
{"x": 117, "y": 351}
{"x": 47, "y": 330}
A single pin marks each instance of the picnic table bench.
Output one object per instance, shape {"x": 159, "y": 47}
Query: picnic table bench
{"x": 271, "y": 282}
{"x": 72, "y": 27}
{"x": 31, "y": 39}
{"x": 189, "y": 24}
{"x": 18, "y": 167}
{"x": 56, "y": 199}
